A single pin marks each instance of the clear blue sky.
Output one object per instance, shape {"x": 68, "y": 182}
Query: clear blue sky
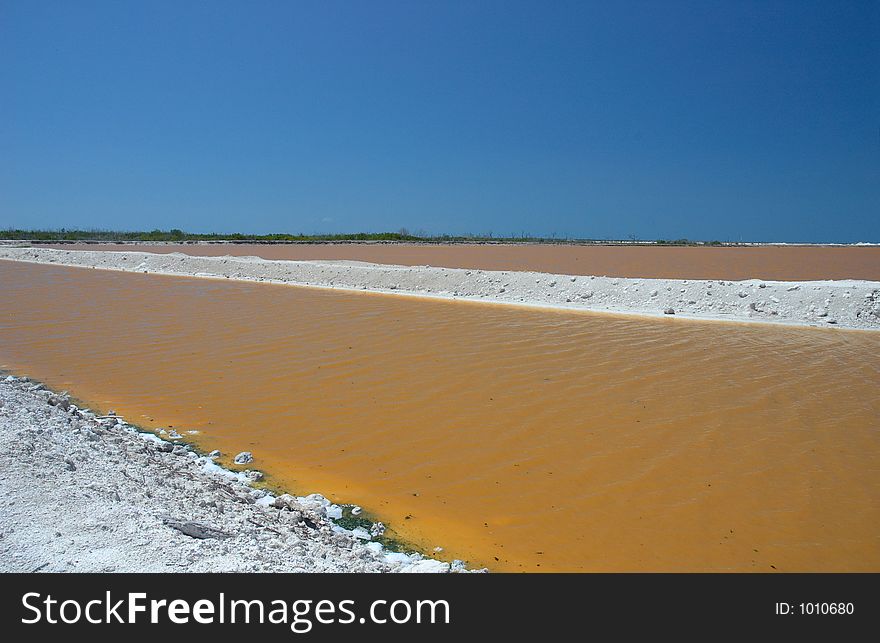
{"x": 704, "y": 119}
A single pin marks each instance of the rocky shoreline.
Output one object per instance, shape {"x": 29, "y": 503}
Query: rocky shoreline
{"x": 88, "y": 493}
{"x": 847, "y": 304}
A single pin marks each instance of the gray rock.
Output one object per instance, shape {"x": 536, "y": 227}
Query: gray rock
{"x": 195, "y": 529}
{"x": 285, "y": 501}
{"x": 64, "y": 403}
{"x": 245, "y": 457}
{"x": 669, "y": 311}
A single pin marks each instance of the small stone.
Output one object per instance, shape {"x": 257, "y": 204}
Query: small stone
{"x": 195, "y": 529}
{"x": 654, "y": 293}
{"x": 215, "y": 453}
{"x": 669, "y": 311}
{"x": 245, "y": 457}
{"x": 254, "y": 476}
{"x": 60, "y": 402}
{"x": 285, "y": 501}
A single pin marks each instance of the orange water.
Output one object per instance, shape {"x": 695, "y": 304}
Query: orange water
{"x": 785, "y": 263}
{"x": 517, "y": 439}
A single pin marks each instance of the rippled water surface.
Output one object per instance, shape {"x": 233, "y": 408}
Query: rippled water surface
{"x": 517, "y": 439}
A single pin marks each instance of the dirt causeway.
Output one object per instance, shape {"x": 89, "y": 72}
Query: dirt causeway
{"x": 781, "y": 263}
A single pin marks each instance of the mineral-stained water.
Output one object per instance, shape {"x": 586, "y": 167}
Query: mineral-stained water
{"x": 785, "y": 263}
{"x": 517, "y": 439}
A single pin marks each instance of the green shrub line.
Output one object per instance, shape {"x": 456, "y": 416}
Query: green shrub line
{"x": 403, "y": 235}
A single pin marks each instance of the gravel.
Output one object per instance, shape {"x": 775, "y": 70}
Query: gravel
{"x": 848, "y": 304}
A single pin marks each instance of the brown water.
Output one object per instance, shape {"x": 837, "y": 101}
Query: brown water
{"x": 518, "y": 439}
{"x": 784, "y": 263}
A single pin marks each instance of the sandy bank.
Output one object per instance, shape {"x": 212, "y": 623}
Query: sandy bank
{"x": 90, "y": 494}
{"x": 832, "y": 304}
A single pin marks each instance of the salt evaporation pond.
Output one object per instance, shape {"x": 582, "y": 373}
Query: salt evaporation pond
{"x": 517, "y": 439}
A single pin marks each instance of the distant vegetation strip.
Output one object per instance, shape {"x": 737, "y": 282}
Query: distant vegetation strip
{"x": 179, "y": 236}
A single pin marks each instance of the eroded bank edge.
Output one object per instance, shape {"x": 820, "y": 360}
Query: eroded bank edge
{"x": 315, "y": 510}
